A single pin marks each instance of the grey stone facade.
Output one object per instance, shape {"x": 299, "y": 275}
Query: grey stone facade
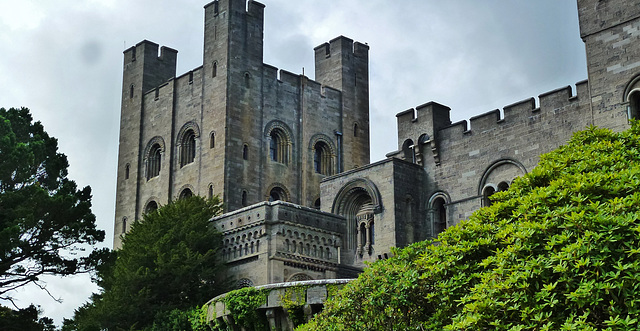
{"x": 238, "y": 128}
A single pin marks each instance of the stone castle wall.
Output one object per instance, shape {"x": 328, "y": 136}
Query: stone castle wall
{"x": 232, "y": 104}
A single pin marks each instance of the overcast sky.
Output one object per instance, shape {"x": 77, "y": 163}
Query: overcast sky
{"x": 63, "y": 60}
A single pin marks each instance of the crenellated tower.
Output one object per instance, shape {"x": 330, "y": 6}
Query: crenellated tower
{"x": 233, "y": 48}
{"x": 144, "y": 70}
{"x": 237, "y": 127}
{"x": 344, "y": 65}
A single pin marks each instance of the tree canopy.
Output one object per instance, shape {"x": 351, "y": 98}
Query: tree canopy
{"x": 26, "y": 319}
{"x": 560, "y": 250}
{"x": 43, "y": 216}
{"x": 168, "y": 261}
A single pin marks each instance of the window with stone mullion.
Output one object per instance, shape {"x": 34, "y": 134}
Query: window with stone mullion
{"x": 188, "y": 149}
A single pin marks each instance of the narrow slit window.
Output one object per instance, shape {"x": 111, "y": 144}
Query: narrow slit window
{"x": 247, "y": 80}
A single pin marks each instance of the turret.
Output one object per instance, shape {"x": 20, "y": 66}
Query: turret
{"x": 143, "y": 71}
{"x": 344, "y": 65}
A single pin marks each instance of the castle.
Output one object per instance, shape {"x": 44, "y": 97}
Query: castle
{"x": 289, "y": 156}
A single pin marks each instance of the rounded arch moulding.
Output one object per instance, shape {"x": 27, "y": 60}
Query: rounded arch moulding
{"x": 495, "y": 165}
{"x": 350, "y": 192}
{"x": 155, "y": 140}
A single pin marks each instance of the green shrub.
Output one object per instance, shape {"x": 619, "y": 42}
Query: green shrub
{"x": 243, "y": 307}
{"x": 560, "y": 250}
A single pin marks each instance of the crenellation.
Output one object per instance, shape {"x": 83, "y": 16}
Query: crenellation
{"x": 557, "y": 98}
{"x": 360, "y": 49}
{"x": 255, "y": 9}
{"x": 458, "y": 128}
{"x": 290, "y": 78}
{"x": 582, "y": 91}
{"x": 406, "y": 117}
{"x": 269, "y": 72}
{"x": 516, "y": 109}
{"x": 485, "y": 122}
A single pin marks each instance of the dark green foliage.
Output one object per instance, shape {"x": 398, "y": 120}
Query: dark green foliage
{"x": 43, "y": 216}
{"x": 26, "y": 319}
{"x": 194, "y": 319}
{"x": 560, "y": 250}
{"x": 168, "y": 261}
{"x": 243, "y": 305}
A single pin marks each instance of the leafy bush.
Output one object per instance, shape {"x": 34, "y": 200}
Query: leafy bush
{"x": 194, "y": 319}
{"x": 560, "y": 250}
{"x": 168, "y": 263}
{"x": 243, "y": 306}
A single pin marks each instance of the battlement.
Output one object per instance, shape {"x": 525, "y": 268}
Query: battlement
{"x": 148, "y": 51}
{"x": 343, "y": 64}
{"x": 295, "y": 80}
{"x": 341, "y": 45}
{"x": 251, "y": 7}
{"x": 411, "y": 115}
{"x": 153, "y": 67}
{"x": 432, "y": 117}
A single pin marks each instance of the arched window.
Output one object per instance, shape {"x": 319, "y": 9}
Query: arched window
{"x": 273, "y": 146}
{"x": 210, "y": 195}
{"x": 214, "y": 71}
{"x": 299, "y": 277}
{"x": 634, "y": 105}
{"x": 212, "y": 140}
{"x": 410, "y": 233}
{"x": 131, "y": 89}
{"x": 245, "y": 152}
{"x": 126, "y": 171}
{"x": 364, "y": 237}
{"x": 187, "y": 148}
{"x": 186, "y": 193}
{"x": 439, "y": 216}
{"x": 355, "y": 129}
{"x": 244, "y": 199}
{"x": 407, "y": 150}
{"x": 124, "y": 225}
{"x": 486, "y": 194}
{"x": 244, "y": 282}
{"x": 316, "y": 204}
{"x": 503, "y": 186}
{"x": 322, "y": 158}
{"x": 153, "y": 161}
{"x": 277, "y": 194}
{"x": 151, "y": 207}
{"x": 278, "y": 146}
{"x": 247, "y": 80}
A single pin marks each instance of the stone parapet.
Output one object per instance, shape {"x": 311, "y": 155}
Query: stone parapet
{"x": 309, "y": 295}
